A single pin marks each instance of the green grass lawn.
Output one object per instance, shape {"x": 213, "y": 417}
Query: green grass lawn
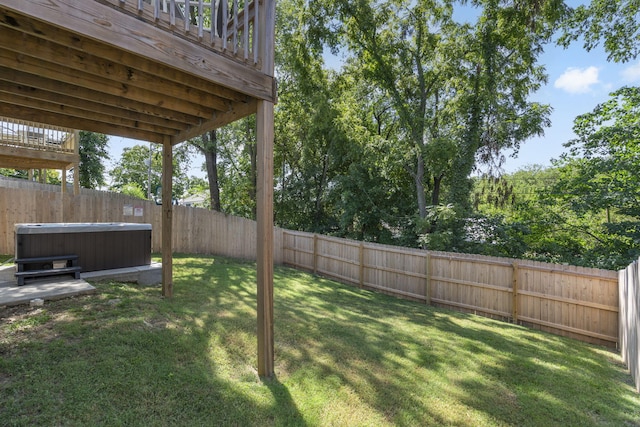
{"x": 344, "y": 357}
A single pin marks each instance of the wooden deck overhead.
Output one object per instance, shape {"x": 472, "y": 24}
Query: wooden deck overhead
{"x": 132, "y": 68}
{"x": 137, "y": 69}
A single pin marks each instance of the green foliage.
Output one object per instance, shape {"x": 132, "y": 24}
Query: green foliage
{"x": 134, "y": 168}
{"x": 93, "y": 151}
{"x": 133, "y": 189}
{"x": 236, "y": 145}
{"x": 614, "y": 23}
{"x": 585, "y": 210}
{"x": 310, "y": 151}
{"x": 14, "y": 173}
{"x": 599, "y": 181}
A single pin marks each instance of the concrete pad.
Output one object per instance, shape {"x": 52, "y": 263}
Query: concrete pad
{"x": 46, "y": 289}
{"x": 142, "y": 275}
{"x": 56, "y": 287}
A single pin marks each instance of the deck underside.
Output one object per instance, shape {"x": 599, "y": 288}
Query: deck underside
{"x": 98, "y": 69}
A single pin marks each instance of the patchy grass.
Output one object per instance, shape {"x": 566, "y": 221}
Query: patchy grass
{"x": 126, "y": 356}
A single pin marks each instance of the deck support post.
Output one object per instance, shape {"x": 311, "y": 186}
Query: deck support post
{"x": 167, "y": 218}
{"x": 76, "y": 165}
{"x": 264, "y": 199}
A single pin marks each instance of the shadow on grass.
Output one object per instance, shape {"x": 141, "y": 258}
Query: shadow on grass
{"x": 128, "y": 357}
{"x": 422, "y": 366}
{"x": 343, "y": 357}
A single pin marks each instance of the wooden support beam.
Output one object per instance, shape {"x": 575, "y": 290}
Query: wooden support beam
{"x": 76, "y": 179}
{"x": 264, "y": 196}
{"x": 514, "y": 282}
{"x": 167, "y": 218}
{"x": 76, "y": 165}
{"x": 48, "y": 117}
{"x": 18, "y": 83}
{"x": 63, "y": 185}
{"x": 236, "y": 111}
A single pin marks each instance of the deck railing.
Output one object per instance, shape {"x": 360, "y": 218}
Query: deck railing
{"x": 20, "y": 133}
{"x": 232, "y": 27}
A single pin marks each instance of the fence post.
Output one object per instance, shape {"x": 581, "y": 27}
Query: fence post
{"x": 361, "y": 265}
{"x": 515, "y": 292}
{"x": 427, "y": 291}
{"x": 315, "y": 254}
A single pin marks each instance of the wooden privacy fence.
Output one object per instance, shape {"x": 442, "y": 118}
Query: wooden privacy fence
{"x": 629, "y": 332}
{"x": 197, "y": 231}
{"x": 572, "y": 301}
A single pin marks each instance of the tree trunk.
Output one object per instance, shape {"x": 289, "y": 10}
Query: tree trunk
{"x": 421, "y": 197}
{"x": 435, "y": 195}
{"x": 210, "y": 143}
{"x": 252, "y": 149}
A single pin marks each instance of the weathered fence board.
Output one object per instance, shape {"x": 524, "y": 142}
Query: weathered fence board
{"x": 629, "y": 326}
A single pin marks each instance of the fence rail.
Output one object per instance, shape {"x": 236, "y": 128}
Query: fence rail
{"x": 573, "y": 301}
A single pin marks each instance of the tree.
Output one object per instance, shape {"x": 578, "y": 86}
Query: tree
{"x": 614, "y": 23}
{"x": 599, "y": 177}
{"x": 134, "y": 167}
{"x": 309, "y": 149}
{"x": 459, "y": 91}
{"x": 500, "y": 55}
{"x": 207, "y": 144}
{"x": 14, "y": 173}
{"x": 93, "y": 150}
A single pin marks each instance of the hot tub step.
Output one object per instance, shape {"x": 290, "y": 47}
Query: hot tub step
{"x": 44, "y": 267}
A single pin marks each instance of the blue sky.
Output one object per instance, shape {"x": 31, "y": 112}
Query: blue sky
{"x": 578, "y": 81}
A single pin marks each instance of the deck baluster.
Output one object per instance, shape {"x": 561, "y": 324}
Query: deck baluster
{"x": 187, "y": 16}
{"x": 225, "y": 22}
{"x": 255, "y": 31}
{"x": 245, "y": 31}
{"x": 200, "y": 20}
{"x": 235, "y": 27}
{"x": 172, "y": 13}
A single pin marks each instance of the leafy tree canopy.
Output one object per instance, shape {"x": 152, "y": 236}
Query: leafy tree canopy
{"x": 93, "y": 151}
{"x": 614, "y": 23}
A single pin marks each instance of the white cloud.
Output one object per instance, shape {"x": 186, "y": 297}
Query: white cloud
{"x": 577, "y": 80}
{"x": 631, "y": 73}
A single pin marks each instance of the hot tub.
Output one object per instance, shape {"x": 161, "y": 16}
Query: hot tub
{"x": 99, "y": 246}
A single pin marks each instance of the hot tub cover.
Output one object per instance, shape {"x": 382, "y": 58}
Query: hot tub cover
{"x": 78, "y": 227}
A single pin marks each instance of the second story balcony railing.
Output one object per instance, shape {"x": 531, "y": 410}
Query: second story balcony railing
{"x": 231, "y": 27}
{"x": 37, "y": 136}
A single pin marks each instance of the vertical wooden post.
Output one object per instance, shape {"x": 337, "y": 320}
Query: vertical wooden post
{"x": 514, "y": 304}
{"x": 76, "y": 165}
{"x": 264, "y": 196}
{"x": 167, "y": 218}
{"x": 361, "y": 265}
{"x": 315, "y": 254}
{"x": 427, "y": 291}
{"x": 63, "y": 179}
{"x": 76, "y": 179}
{"x": 63, "y": 192}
